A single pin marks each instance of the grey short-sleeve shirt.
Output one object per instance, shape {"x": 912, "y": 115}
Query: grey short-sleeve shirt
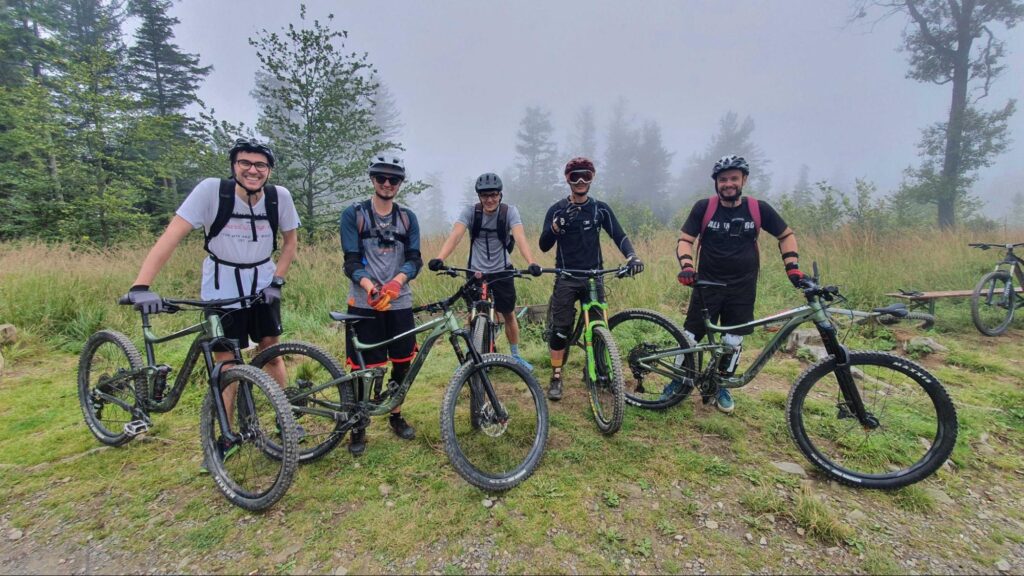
{"x": 488, "y": 255}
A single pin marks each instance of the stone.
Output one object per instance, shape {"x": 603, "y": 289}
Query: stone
{"x": 923, "y": 345}
{"x": 384, "y": 489}
{"x": 711, "y": 525}
{"x": 791, "y": 468}
{"x": 1002, "y": 565}
{"x": 801, "y": 338}
{"x": 340, "y": 571}
{"x": 749, "y": 537}
{"x": 8, "y": 333}
{"x": 939, "y": 496}
{"x": 763, "y": 541}
{"x": 856, "y": 516}
{"x": 488, "y": 503}
{"x": 14, "y": 534}
{"x": 679, "y": 537}
{"x": 800, "y": 531}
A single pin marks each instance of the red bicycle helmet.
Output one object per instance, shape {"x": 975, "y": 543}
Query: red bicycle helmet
{"x": 579, "y": 163}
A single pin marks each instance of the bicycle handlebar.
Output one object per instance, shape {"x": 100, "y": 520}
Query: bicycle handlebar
{"x": 987, "y": 245}
{"x": 619, "y": 272}
{"x": 454, "y": 271}
{"x": 172, "y": 305}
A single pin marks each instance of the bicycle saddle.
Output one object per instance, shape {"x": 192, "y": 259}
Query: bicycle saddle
{"x": 898, "y": 309}
{"x": 343, "y": 317}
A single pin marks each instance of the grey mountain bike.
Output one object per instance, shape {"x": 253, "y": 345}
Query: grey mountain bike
{"x": 866, "y": 419}
{"x": 995, "y": 297}
{"x": 251, "y": 452}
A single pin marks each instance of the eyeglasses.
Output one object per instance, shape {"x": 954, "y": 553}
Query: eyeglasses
{"x": 393, "y": 180}
{"x": 581, "y": 177}
{"x": 488, "y": 195}
{"x": 245, "y": 165}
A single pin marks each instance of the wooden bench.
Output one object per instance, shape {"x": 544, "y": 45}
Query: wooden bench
{"x": 927, "y": 299}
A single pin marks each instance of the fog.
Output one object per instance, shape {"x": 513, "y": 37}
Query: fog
{"x": 822, "y": 92}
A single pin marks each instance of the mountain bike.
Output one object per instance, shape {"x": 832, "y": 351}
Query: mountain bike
{"x": 494, "y": 419}
{"x": 995, "y": 296}
{"x": 118, "y": 393}
{"x": 866, "y": 419}
{"x": 886, "y": 316}
{"x": 483, "y": 325}
{"x": 602, "y": 363}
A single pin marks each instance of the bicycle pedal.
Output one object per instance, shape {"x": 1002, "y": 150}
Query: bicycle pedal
{"x": 136, "y": 427}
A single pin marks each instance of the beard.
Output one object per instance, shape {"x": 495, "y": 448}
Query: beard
{"x": 737, "y": 190}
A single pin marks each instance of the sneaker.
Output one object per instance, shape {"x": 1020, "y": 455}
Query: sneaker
{"x": 357, "y": 441}
{"x": 675, "y": 387}
{"x": 555, "y": 388}
{"x": 401, "y": 428}
{"x": 224, "y": 449}
{"x": 523, "y": 361}
{"x": 723, "y": 401}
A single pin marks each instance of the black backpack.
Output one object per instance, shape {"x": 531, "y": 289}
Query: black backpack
{"x": 504, "y": 237}
{"x": 226, "y": 208}
{"x": 365, "y": 210}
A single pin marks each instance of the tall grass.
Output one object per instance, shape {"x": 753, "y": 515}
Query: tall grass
{"x": 62, "y": 292}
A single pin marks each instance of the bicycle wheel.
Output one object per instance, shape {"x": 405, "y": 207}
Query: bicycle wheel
{"x": 992, "y": 303}
{"x": 607, "y": 398}
{"x": 490, "y": 453}
{"x": 307, "y": 367}
{"x": 105, "y": 367}
{"x": 921, "y": 320}
{"x": 482, "y": 335}
{"x": 247, "y": 473}
{"x": 640, "y": 333}
{"x": 916, "y": 421}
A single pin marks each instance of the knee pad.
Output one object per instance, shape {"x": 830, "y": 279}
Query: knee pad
{"x": 558, "y": 339}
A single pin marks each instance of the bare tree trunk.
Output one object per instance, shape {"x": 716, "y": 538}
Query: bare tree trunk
{"x": 950, "y": 184}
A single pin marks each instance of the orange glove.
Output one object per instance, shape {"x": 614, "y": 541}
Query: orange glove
{"x": 392, "y": 289}
{"x": 378, "y": 300}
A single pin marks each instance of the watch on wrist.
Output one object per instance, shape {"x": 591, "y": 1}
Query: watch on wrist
{"x": 277, "y": 282}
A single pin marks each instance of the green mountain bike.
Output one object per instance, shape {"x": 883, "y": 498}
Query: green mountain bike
{"x": 995, "y": 297}
{"x": 866, "y": 419}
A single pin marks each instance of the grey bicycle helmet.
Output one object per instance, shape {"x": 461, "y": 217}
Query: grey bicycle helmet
{"x": 488, "y": 182}
{"x": 731, "y": 162}
{"x": 389, "y": 164}
{"x": 251, "y": 145}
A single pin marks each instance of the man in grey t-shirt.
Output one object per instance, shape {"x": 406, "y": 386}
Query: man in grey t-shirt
{"x": 488, "y": 251}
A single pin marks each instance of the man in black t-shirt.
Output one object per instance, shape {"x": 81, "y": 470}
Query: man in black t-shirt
{"x": 727, "y": 226}
{"x": 574, "y": 225}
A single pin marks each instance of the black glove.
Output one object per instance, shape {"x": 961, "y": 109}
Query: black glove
{"x": 687, "y": 276}
{"x": 564, "y": 218}
{"x": 145, "y": 301}
{"x": 534, "y": 269}
{"x": 271, "y": 294}
{"x": 636, "y": 266}
{"x": 435, "y": 264}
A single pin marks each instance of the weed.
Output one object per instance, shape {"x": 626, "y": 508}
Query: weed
{"x": 643, "y": 547}
{"x": 914, "y": 499}
{"x": 611, "y": 498}
{"x": 819, "y": 520}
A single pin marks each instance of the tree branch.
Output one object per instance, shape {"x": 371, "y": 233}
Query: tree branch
{"x": 926, "y": 32}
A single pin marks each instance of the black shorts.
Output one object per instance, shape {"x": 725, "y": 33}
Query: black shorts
{"x": 727, "y": 306}
{"x": 382, "y": 326}
{"x": 503, "y": 293}
{"x": 253, "y": 323}
{"x": 563, "y": 301}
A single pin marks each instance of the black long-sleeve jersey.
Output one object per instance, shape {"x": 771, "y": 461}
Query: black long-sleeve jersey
{"x": 579, "y": 244}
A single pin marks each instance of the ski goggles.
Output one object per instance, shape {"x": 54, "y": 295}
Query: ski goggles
{"x": 581, "y": 177}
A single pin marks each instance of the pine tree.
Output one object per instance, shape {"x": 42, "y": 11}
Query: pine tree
{"x": 651, "y": 180}
{"x": 537, "y": 178}
{"x": 617, "y": 172}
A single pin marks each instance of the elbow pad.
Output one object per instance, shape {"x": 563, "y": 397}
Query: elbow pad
{"x": 353, "y": 263}
{"x": 413, "y": 257}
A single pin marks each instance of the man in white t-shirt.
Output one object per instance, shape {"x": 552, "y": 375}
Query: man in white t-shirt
{"x": 491, "y": 226}
{"x": 240, "y": 261}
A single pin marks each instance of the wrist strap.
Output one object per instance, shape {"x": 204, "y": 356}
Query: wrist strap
{"x": 790, "y": 255}
{"x": 792, "y": 266}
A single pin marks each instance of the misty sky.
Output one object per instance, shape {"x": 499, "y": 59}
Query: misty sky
{"x": 821, "y": 92}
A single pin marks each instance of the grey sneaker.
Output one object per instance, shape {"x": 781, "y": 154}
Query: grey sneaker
{"x": 555, "y": 388}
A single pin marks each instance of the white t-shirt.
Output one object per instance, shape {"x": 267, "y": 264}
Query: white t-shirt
{"x": 235, "y": 241}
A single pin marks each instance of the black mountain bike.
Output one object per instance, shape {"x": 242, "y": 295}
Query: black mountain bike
{"x": 484, "y": 327}
{"x": 995, "y": 297}
{"x": 251, "y": 453}
{"x": 867, "y": 419}
{"x": 494, "y": 417}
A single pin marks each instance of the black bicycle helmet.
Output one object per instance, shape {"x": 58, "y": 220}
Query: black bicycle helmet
{"x": 388, "y": 164}
{"x": 731, "y": 162}
{"x": 251, "y": 145}
{"x": 488, "y": 182}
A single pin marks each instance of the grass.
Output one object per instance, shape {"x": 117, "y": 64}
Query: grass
{"x": 596, "y": 504}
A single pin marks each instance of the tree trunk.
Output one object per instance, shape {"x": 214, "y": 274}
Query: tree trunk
{"x": 950, "y": 183}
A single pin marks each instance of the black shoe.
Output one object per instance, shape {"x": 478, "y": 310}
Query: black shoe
{"x": 401, "y": 427}
{"x": 555, "y": 388}
{"x": 357, "y": 441}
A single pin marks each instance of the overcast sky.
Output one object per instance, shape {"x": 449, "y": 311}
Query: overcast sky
{"x": 821, "y": 92}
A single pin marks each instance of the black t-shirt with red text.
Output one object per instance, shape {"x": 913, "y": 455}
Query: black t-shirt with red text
{"x": 728, "y": 252}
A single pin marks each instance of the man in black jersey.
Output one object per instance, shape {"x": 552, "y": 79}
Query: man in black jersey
{"x": 727, "y": 226}
{"x": 574, "y": 224}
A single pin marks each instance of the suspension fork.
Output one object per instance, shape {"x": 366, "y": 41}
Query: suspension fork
{"x": 844, "y": 374}
{"x": 484, "y": 381}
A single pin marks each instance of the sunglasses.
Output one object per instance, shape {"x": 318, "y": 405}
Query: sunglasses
{"x": 393, "y": 180}
{"x": 581, "y": 177}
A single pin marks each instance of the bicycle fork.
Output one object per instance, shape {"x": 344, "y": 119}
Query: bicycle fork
{"x": 479, "y": 386}
{"x": 851, "y": 405}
